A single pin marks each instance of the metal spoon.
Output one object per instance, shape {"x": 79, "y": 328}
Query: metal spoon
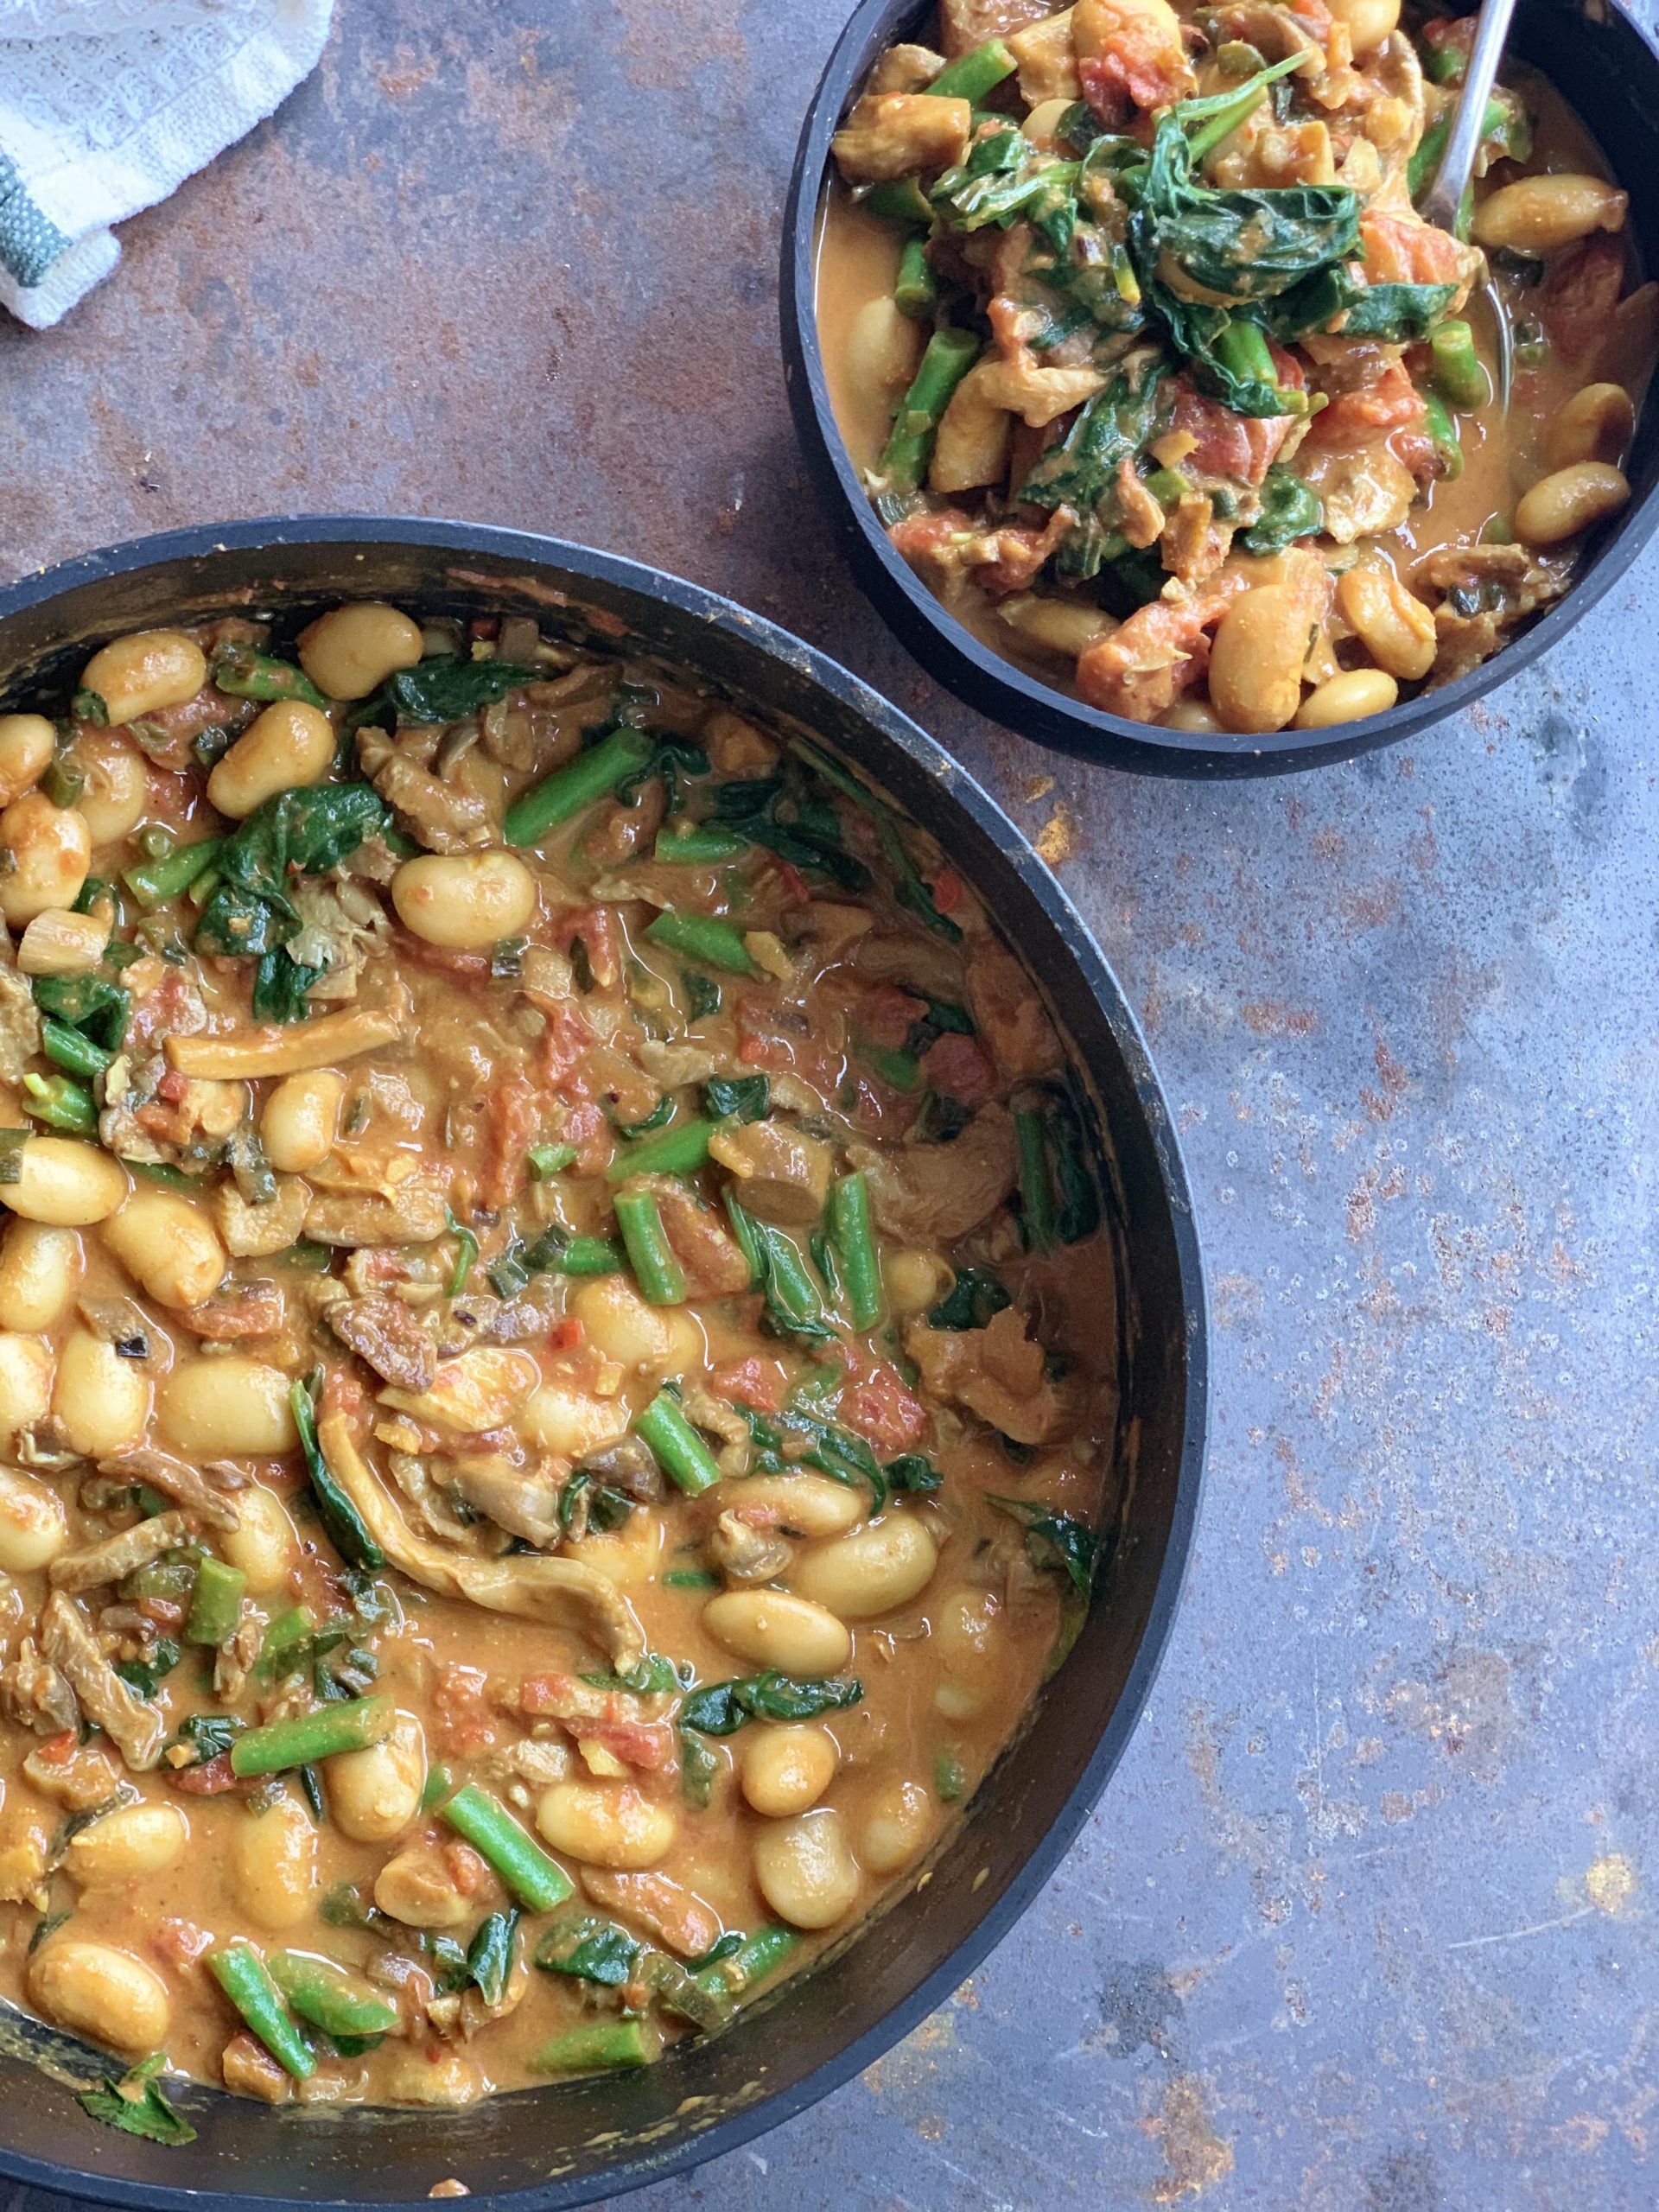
{"x": 1441, "y": 203}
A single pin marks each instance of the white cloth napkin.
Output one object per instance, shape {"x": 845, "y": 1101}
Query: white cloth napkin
{"x": 107, "y": 105}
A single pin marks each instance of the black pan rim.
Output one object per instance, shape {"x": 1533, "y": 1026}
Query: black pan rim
{"x": 950, "y": 652}
{"x": 591, "y": 565}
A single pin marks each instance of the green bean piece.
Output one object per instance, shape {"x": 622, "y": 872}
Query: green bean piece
{"x": 284, "y": 1644}
{"x": 899, "y": 1070}
{"x": 605, "y": 2046}
{"x": 240, "y": 1972}
{"x": 152, "y": 883}
{"x": 971, "y": 76}
{"x": 950, "y": 355}
{"x": 1459, "y": 378}
{"x": 791, "y": 1295}
{"x": 60, "y": 1104}
{"x": 216, "y": 1605}
{"x": 1424, "y": 165}
{"x": 1036, "y": 1192}
{"x": 439, "y": 1783}
{"x": 536, "y": 1880}
{"x": 338, "y": 2003}
{"x": 1443, "y": 434}
{"x": 242, "y": 671}
{"x": 545, "y": 1161}
{"x": 576, "y": 1255}
{"x": 680, "y": 1149}
{"x": 705, "y": 938}
{"x": 69, "y": 1049}
{"x": 898, "y": 200}
{"x": 558, "y": 798}
{"x": 701, "y": 845}
{"x": 651, "y": 1256}
{"x": 686, "y": 1459}
{"x": 339, "y": 1516}
{"x": 852, "y": 1235}
{"x": 949, "y": 1777}
{"x": 1228, "y": 117}
{"x": 351, "y": 1726}
{"x": 755, "y": 1958}
{"x": 915, "y": 291}
{"x": 1242, "y": 349}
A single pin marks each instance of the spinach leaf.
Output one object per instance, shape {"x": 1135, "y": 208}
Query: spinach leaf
{"x": 250, "y": 913}
{"x": 136, "y": 2107}
{"x": 208, "y": 1734}
{"x": 607, "y": 1508}
{"x": 87, "y": 1003}
{"x": 489, "y": 1955}
{"x": 1394, "y": 314}
{"x": 913, "y": 1472}
{"x": 654, "y": 1676}
{"x": 1055, "y": 1540}
{"x": 450, "y": 1969}
{"x": 779, "y": 814}
{"x": 147, "y": 1675}
{"x": 1078, "y": 1196}
{"x": 442, "y": 689}
{"x": 943, "y": 1018}
{"x": 1082, "y": 469}
{"x": 737, "y": 1097}
{"x": 590, "y": 1950}
{"x": 722, "y": 1708}
{"x": 279, "y": 985}
{"x": 1289, "y": 510}
{"x": 976, "y": 1293}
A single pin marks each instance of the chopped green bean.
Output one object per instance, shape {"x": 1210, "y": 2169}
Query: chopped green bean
{"x": 916, "y": 290}
{"x": 217, "y": 1605}
{"x": 69, "y": 1049}
{"x": 605, "y": 2045}
{"x": 852, "y": 1235}
{"x": 536, "y": 1880}
{"x": 60, "y": 1104}
{"x": 338, "y": 2003}
{"x": 971, "y": 75}
{"x": 240, "y": 1972}
{"x": 755, "y": 1958}
{"x": 465, "y": 1253}
{"x": 241, "y": 671}
{"x": 152, "y": 883}
{"x": 705, "y": 938}
{"x": 351, "y": 1726}
{"x": 558, "y": 798}
{"x": 898, "y": 200}
{"x": 546, "y": 1160}
{"x": 950, "y": 355}
{"x": 1459, "y": 378}
{"x": 700, "y": 845}
{"x": 680, "y": 1149}
{"x": 650, "y": 1253}
{"x": 686, "y": 1459}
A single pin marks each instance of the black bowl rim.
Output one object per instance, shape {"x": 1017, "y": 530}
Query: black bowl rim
{"x": 591, "y": 565}
{"x": 949, "y": 650}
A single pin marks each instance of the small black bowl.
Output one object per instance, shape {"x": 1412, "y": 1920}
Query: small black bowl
{"x": 549, "y": 2150}
{"x": 1597, "y": 58}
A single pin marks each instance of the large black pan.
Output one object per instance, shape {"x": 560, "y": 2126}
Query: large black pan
{"x": 568, "y": 2145}
{"x": 1597, "y": 56}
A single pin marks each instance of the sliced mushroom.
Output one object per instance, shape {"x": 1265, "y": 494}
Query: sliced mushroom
{"x": 97, "y": 1565}
{"x": 561, "y": 1593}
{"x": 173, "y": 1479}
{"x": 388, "y": 1337}
{"x": 136, "y": 1728}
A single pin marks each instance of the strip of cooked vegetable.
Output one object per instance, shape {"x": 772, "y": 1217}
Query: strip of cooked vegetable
{"x": 556, "y": 1358}
{"x": 1157, "y": 377}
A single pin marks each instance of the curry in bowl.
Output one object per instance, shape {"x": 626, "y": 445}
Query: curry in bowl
{"x": 1157, "y": 378}
{"x": 557, "y": 1358}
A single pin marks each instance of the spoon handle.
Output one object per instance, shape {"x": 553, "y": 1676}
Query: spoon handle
{"x": 1440, "y": 204}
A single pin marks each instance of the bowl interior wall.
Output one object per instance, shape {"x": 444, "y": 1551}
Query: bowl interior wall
{"x": 566, "y": 2146}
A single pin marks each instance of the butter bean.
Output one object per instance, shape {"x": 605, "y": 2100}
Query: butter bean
{"x": 135, "y": 1841}
{"x": 141, "y": 674}
{"x": 805, "y": 1869}
{"x": 290, "y": 746}
{"x": 34, "y": 1527}
{"x": 167, "y": 1246}
{"x": 1348, "y": 697}
{"x": 770, "y": 1629}
{"x": 229, "y": 1408}
{"x": 274, "y": 1863}
{"x": 874, "y": 1570}
{"x": 65, "y": 1183}
{"x": 100, "y": 1992}
{"x": 102, "y": 1400}
{"x": 1560, "y": 505}
{"x": 27, "y": 744}
{"x": 50, "y": 851}
{"x": 301, "y": 1120}
{"x": 605, "y": 1824}
{"x": 352, "y": 649}
{"x": 465, "y": 900}
{"x": 784, "y": 1771}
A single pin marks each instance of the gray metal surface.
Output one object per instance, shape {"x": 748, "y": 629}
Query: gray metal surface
{"x": 1364, "y": 1924}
